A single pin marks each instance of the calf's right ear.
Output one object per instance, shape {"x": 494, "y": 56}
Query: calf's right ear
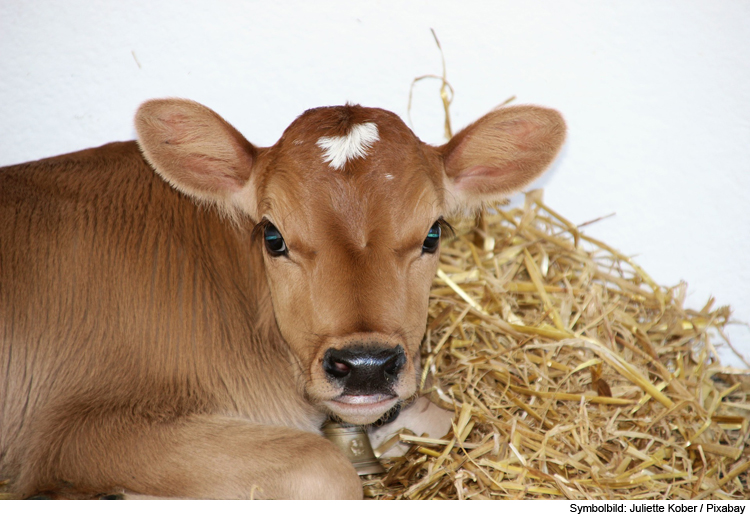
{"x": 198, "y": 153}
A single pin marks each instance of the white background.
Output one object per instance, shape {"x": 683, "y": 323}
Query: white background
{"x": 656, "y": 95}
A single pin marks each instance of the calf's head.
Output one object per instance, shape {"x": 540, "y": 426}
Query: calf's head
{"x": 348, "y": 209}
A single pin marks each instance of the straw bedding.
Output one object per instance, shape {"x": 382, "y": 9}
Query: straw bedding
{"x": 572, "y": 374}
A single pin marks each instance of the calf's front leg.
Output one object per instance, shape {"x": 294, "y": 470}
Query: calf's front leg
{"x": 203, "y": 456}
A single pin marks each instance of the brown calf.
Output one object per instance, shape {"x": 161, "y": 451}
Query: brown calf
{"x": 152, "y": 345}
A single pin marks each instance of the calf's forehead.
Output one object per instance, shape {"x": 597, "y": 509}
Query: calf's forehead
{"x": 351, "y": 161}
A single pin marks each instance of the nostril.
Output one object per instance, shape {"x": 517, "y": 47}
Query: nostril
{"x": 336, "y": 367}
{"x": 341, "y": 368}
{"x": 394, "y": 365}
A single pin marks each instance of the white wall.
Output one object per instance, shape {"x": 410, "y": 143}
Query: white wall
{"x": 655, "y": 94}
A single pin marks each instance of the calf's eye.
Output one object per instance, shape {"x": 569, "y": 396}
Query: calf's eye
{"x": 432, "y": 241}
{"x": 275, "y": 244}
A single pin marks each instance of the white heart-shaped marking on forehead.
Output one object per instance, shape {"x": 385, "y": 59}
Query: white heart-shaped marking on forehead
{"x": 338, "y": 150}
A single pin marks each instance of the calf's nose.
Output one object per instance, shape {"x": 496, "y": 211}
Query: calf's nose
{"x": 364, "y": 370}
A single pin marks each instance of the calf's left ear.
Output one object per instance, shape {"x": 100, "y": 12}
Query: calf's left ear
{"x": 198, "y": 153}
{"x": 499, "y": 154}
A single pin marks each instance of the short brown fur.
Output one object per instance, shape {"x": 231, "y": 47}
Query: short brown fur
{"x": 149, "y": 344}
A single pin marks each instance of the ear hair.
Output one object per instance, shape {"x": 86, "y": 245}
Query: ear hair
{"x": 499, "y": 154}
{"x": 198, "y": 153}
